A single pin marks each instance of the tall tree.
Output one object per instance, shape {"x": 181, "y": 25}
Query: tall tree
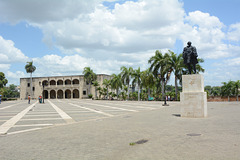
{"x": 106, "y": 83}
{"x": 3, "y": 80}
{"x": 236, "y": 86}
{"x": 137, "y": 80}
{"x": 116, "y": 83}
{"x": 95, "y": 84}
{"x": 176, "y": 63}
{"x": 161, "y": 68}
{"x": 30, "y": 68}
{"x": 227, "y": 89}
{"x": 147, "y": 80}
{"x": 126, "y": 74}
{"x": 89, "y": 77}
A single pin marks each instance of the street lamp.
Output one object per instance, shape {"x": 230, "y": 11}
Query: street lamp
{"x": 45, "y": 83}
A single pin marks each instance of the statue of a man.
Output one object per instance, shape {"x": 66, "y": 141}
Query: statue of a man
{"x": 190, "y": 57}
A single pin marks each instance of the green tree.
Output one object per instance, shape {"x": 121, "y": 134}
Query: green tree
{"x": 89, "y": 77}
{"x": 176, "y": 63}
{"x": 106, "y": 83}
{"x": 116, "y": 83}
{"x": 3, "y": 80}
{"x": 147, "y": 80}
{"x": 161, "y": 68}
{"x": 215, "y": 91}
{"x": 227, "y": 89}
{"x": 95, "y": 84}
{"x": 30, "y": 68}
{"x": 137, "y": 80}
{"x": 126, "y": 74}
{"x": 236, "y": 86}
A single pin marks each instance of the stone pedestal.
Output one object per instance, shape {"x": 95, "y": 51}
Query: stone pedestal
{"x": 193, "y": 98}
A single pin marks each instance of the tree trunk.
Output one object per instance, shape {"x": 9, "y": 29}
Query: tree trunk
{"x": 148, "y": 92}
{"x": 117, "y": 93}
{"x": 31, "y": 91}
{"x": 138, "y": 92}
{"x": 95, "y": 92}
{"x": 89, "y": 88}
{"x": 107, "y": 93}
{"x": 237, "y": 94}
{"x": 176, "y": 89}
{"x": 228, "y": 99}
{"x": 128, "y": 92}
{"x": 163, "y": 95}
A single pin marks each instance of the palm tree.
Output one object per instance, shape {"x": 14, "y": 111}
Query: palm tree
{"x": 30, "y": 68}
{"x": 137, "y": 80}
{"x": 99, "y": 89}
{"x": 106, "y": 83}
{"x": 161, "y": 67}
{"x": 116, "y": 82}
{"x": 236, "y": 87}
{"x": 89, "y": 76}
{"x": 148, "y": 80}
{"x": 126, "y": 76}
{"x": 227, "y": 89}
{"x": 95, "y": 84}
{"x": 176, "y": 62}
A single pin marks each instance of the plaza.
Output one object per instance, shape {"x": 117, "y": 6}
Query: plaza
{"x": 106, "y": 130}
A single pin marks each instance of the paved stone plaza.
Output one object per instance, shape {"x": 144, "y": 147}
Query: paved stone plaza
{"x": 114, "y": 130}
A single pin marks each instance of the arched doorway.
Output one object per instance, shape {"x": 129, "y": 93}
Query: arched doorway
{"x": 45, "y": 83}
{"x": 75, "y": 93}
{"x": 52, "y": 94}
{"x": 67, "y": 82}
{"x": 75, "y": 81}
{"x": 52, "y": 83}
{"x": 60, "y": 82}
{"x": 60, "y": 94}
{"x": 45, "y": 94}
{"x": 67, "y": 94}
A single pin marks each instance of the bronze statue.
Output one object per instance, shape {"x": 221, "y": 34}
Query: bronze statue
{"x": 190, "y": 57}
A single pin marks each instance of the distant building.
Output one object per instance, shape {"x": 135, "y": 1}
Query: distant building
{"x": 59, "y": 87}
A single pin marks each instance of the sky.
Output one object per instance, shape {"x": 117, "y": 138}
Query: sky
{"x": 62, "y": 37}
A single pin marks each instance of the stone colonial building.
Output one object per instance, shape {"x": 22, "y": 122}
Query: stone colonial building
{"x": 59, "y": 87}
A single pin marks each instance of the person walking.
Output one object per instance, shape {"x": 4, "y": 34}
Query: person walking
{"x": 0, "y": 98}
{"x": 29, "y": 98}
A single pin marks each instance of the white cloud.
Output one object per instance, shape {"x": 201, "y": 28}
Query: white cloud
{"x": 9, "y": 53}
{"x": 36, "y": 11}
{"x": 14, "y": 77}
{"x": 234, "y": 32}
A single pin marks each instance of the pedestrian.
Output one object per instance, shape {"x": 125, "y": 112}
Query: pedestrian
{"x": 0, "y": 98}
{"x": 29, "y": 98}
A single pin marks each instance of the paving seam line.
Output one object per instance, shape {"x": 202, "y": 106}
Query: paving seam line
{"x": 11, "y": 122}
{"x": 100, "y": 112}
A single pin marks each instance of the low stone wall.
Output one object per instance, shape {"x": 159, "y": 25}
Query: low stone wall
{"x": 221, "y": 99}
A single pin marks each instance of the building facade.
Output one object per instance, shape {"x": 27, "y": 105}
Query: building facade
{"x": 59, "y": 87}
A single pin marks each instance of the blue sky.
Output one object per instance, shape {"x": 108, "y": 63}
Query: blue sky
{"x": 63, "y": 37}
